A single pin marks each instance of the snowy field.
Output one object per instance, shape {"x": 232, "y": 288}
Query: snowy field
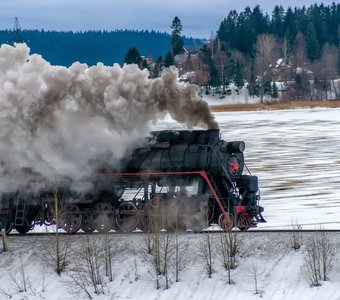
{"x": 295, "y": 154}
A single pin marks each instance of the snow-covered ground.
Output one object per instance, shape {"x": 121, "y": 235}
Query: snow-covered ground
{"x": 279, "y": 271}
{"x": 295, "y": 154}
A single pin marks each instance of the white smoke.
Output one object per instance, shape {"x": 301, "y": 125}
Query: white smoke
{"x": 64, "y": 122}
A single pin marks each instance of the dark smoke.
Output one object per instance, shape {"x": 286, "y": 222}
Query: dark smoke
{"x": 64, "y": 122}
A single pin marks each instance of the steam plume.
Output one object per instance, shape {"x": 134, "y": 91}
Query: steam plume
{"x": 57, "y": 121}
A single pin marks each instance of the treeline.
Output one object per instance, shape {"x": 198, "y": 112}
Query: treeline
{"x": 319, "y": 24}
{"x": 90, "y": 47}
{"x": 298, "y": 47}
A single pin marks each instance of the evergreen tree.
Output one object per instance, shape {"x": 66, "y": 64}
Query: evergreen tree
{"x": 238, "y": 75}
{"x": 289, "y": 27}
{"x": 206, "y": 55}
{"x": 176, "y": 38}
{"x": 275, "y": 92}
{"x": 277, "y": 21}
{"x": 227, "y": 31}
{"x": 312, "y": 43}
{"x": 132, "y": 56}
{"x": 169, "y": 60}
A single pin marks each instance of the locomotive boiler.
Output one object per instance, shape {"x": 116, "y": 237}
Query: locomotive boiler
{"x": 176, "y": 180}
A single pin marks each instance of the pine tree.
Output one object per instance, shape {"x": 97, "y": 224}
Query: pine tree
{"x": 238, "y": 75}
{"x": 169, "y": 60}
{"x": 176, "y": 39}
{"x": 206, "y": 55}
{"x": 277, "y": 21}
{"x": 132, "y": 56}
{"x": 312, "y": 43}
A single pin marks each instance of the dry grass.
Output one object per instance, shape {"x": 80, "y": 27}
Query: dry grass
{"x": 276, "y": 105}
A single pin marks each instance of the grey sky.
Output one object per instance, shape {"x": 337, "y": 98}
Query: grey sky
{"x": 199, "y": 17}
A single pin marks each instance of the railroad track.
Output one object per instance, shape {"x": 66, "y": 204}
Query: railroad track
{"x": 251, "y": 231}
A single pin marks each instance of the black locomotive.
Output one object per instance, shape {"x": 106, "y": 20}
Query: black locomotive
{"x": 176, "y": 180}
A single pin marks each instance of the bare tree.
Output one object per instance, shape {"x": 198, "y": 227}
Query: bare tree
{"x": 265, "y": 45}
{"x": 22, "y": 281}
{"x": 222, "y": 63}
{"x": 295, "y": 234}
{"x": 325, "y": 70}
{"x": 181, "y": 246}
{"x": 57, "y": 250}
{"x": 300, "y": 59}
{"x": 152, "y": 246}
{"x": 206, "y": 246}
{"x": 85, "y": 271}
{"x": 229, "y": 248}
{"x": 326, "y": 253}
{"x": 286, "y": 50}
{"x": 255, "y": 274}
{"x": 166, "y": 252}
{"x": 318, "y": 258}
{"x": 134, "y": 265}
{"x": 6, "y": 293}
{"x": 110, "y": 250}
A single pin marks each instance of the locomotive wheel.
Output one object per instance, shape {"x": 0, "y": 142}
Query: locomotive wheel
{"x": 24, "y": 228}
{"x": 243, "y": 223}
{"x": 127, "y": 217}
{"x": 226, "y": 221}
{"x": 86, "y": 225}
{"x": 102, "y": 217}
{"x": 71, "y": 218}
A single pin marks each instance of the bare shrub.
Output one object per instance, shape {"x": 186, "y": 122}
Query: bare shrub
{"x": 56, "y": 251}
{"x": 181, "y": 245}
{"x": 229, "y": 248}
{"x": 295, "y": 234}
{"x": 110, "y": 249}
{"x": 164, "y": 251}
{"x": 206, "y": 246}
{"x": 6, "y": 293}
{"x": 255, "y": 274}
{"x": 160, "y": 256}
{"x": 21, "y": 279}
{"x": 133, "y": 267}
{"x": 86, "y": 269}
{"x": 318, "y": 258}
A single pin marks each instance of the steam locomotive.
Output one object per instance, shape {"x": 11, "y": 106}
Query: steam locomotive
{"x": 177, "y": 180}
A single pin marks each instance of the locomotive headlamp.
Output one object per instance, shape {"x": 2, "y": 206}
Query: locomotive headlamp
{"x": 237, "y": 146}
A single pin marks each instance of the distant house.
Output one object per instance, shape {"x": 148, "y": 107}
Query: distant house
{"x": 189, "y": 52}
{"x": 284, "y": 71}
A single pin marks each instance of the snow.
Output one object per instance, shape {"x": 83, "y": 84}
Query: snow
{"x": 295, "y": 154}
{"x": 279, "y": 271}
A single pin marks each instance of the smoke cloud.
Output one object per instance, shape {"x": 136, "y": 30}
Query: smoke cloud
{"x": 59, "y": 122}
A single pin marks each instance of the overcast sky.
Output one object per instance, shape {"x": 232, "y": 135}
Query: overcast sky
{"x": 199, "y": 17}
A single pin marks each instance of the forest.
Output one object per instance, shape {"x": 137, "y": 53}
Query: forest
{"x": 292, "y": 53}
{"x": 109, "y": 47}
